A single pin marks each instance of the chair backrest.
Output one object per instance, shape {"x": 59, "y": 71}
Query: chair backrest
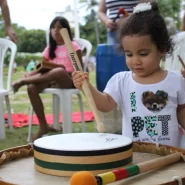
{"x": 87, "y": 46}
{"x": 5, "y": 45}
{"x": 172, "y": 62}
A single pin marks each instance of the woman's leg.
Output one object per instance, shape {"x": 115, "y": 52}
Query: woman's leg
{"x": 63, "y": 80}
{"x": 33, "y": 93}
{"x": 56, "y": 74}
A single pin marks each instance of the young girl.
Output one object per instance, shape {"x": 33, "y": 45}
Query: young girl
{"x": 59, "y": 77}
{"x": 149, "y": 96}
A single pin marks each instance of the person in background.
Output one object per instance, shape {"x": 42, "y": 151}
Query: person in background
{"x": 6, "y": 15}
{"x": 183, "y": 23}
{"x": 14, "y": 67}
{"x": 60, "y": 77}
{"x": 183, "y": 73}
{"x": 107, "y": 13}
{"x": 30, "y": 67}
{"x": 152, "y": 99}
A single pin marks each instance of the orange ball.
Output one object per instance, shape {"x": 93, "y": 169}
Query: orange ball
{"x": 83, "y": 178}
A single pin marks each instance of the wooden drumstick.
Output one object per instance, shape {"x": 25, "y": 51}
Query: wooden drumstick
{"x": 77, "y": 66}
{"x": 181, "y": 61}
{"x": 116, "y": 175}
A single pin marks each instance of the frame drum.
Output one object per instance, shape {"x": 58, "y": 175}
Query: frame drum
{"x": 65, "y": 154}
{"x": 17, "y": 167}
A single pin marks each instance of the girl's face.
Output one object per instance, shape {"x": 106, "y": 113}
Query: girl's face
{"x": 55, "y": 33}
{"x": 142, "y": 56}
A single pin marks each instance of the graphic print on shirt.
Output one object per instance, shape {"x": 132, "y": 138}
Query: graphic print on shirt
{"x": 133, "y": 101}
{"x": 137, "y": 125}
{"x": 154, "y": 102}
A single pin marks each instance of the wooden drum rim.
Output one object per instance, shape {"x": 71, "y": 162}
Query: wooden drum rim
{"x": 142, "y": 147}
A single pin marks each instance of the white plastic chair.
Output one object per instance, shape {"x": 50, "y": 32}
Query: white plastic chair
{"x": 172, "y": 63}
{"x": 5, "y": 86}
{"x": 62, "y": 98}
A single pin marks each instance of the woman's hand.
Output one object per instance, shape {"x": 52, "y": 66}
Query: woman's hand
{"x": 79, "y": 77}
{"x": 111, "y": 25}
{"x": 11, "y": 33}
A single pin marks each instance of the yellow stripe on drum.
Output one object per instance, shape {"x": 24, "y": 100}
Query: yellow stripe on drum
{"x": 70, "y": 173}
{"x": 83, "y": 159}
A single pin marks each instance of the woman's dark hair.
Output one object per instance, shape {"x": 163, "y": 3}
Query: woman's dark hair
{"x": 52, "y": 43}
{"x": 148, "y": 23}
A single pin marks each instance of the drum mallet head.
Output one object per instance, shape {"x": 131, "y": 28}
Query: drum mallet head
{"x": 83, "y": 178}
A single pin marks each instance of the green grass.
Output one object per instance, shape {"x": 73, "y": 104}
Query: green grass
{"x": 20, "y": 104}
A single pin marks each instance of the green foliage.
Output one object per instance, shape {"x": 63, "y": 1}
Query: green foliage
{"x": 88, "y": 32}
{"x": 22, "y": 59}
{"x": 170, "y": 8}
{"x": 89, "y": 3}
{"x": 18, "y": 29}
{"x": 93, "y": 30}
{"x": 32, "y": 41}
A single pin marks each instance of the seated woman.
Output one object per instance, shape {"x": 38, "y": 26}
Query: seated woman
{"x": 59, "y": 77}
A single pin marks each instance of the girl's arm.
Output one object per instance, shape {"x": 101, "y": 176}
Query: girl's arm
{"x": 60, "y": 65}
{"x": 181, "y": 115}
{"x": 102, "y": 12}
{"x": 103, "y": 101}
{"x": 183, "y": 23}
{"x": 103, "y": 17}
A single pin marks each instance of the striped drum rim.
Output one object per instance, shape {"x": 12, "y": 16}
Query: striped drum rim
{"x": 65, "y": 154}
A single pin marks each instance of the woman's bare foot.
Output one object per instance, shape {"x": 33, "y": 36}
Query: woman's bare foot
{"x": 16, "y": 85}
{"x": 42, "y": 132}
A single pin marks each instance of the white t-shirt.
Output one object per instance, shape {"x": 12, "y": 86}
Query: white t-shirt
{"x": 149, "y": 110}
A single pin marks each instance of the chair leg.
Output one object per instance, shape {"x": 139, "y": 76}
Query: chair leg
{"x": 30, "y": 125}
{"x": 66, "y": 107}
{"x": 10, "y": 123}
{"x": 2, "y": 126}
{"x": 82, "y": 112}
{"x": 56, "y": 111}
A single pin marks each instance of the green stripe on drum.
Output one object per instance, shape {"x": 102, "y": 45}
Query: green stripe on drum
{"x": 81, "y": 167}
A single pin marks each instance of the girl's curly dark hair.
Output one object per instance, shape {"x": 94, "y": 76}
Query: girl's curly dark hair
{"x": 148, "y": 23}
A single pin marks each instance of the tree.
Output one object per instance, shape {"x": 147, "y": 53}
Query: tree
{"x": 91, "y": 4}
{"x": 87, "y": 32}
{"x": 32, "y": 41}
{"x": 171, "y": 8}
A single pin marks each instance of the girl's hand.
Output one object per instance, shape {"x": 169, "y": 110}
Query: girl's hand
{"x": 183, "y": 73}
{"x": 79, "y": 77}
